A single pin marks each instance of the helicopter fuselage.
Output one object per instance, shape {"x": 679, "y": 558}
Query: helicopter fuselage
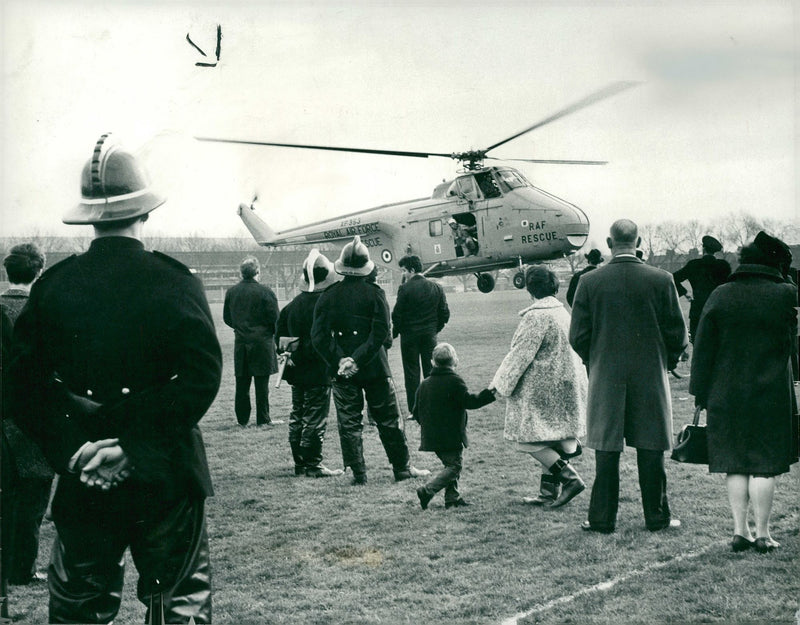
{"x": 483, "y": 220}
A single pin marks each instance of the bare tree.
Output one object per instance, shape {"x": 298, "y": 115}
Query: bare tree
{"x": 740, "y": 229}
{"x": 672, "y": 236}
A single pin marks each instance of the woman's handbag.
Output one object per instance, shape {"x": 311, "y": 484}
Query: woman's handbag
{"x": 691, "y": 445}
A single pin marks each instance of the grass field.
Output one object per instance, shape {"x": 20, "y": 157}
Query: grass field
{"x": 298, "y": 550}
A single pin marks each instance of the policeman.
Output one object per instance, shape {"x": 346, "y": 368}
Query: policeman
{"x": 593, "y": 258}
{"x": 351, "y": 325}
{"x": 704, "y": 275}
{"x": 311, "y": 386}
{"x": 115, "y": 360}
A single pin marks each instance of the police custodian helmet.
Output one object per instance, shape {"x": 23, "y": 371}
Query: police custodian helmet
{"x": 114, "y": 187}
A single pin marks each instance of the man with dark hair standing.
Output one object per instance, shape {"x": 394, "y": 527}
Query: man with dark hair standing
{"x": 351, "y": 326}
{"x": 593, "y": 258}
{"x": 114, "y": 362}
{"x": 704, "y": 274}
{"x": 311, "y": 386}
{"x": 251, "y": 309}
{"x": 419, "y": 314}
{"x": 628, "y": 328}
{"x": 28, "y": 478}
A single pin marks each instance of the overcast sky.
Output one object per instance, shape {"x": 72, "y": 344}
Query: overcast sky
{"x": 709, "y": 131}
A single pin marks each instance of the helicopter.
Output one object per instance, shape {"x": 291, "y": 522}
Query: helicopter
{"x": 486, "y": 218}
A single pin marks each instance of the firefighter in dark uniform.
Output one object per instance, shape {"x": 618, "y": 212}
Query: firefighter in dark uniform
{"x": 306, "y": 371}
{"x": 115, "y": 360}
{"x": 594, "y": 258}
{"x": 351, "y": 325}
{"x": 704, "y": 274}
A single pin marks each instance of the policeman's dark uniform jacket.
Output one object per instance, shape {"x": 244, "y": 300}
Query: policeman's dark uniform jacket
{"x": 130, "y": 330}
{"x": 420, "y": 313}
{"x": 594, "y": 258}
{"x": 704, "y": 274}
{"x": 308, "y": 375}
{"x": 251, "y": 309}
{"x": 351, "y": 319}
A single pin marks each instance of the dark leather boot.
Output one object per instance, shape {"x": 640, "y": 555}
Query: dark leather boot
{"x": 549, "y": 489}
{"x": 571, "y": 482}
{"x": 297, "y": 455}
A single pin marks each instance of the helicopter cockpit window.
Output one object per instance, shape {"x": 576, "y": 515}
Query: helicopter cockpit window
{"x": 511, "y": 179}
{"x": 464, "y": 187}
{"x": 487, "y": 184}
{"x": 435, "y": 228}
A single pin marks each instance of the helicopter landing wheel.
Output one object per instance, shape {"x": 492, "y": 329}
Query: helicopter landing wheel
{"x": 485, "y": 282}
{"x": 519, "y": 280}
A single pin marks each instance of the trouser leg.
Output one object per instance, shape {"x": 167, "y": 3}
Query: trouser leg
{"x": 261, "y": 383}
{"x": 409, "y": 350}
{"x": 86, "y": 572}
{"x": 315, "y": 423}
{"x": 349, "y": 401}
{"x": 604, "y": 501}
{"x": 296, "y": 427}
{"x": 241, "y": 403}
{"x": 426, "y": 345}
{"x": 447, "y": 477}
{"x": 653, "y": 484}
{"x": 383, "y": 403}
{"x": 172, "y": 547}
{"x": 32, "y": 495}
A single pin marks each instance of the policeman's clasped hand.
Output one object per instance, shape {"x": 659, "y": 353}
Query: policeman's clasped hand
{"x": 104, "y": 464}
{"x": 347, "y": 367}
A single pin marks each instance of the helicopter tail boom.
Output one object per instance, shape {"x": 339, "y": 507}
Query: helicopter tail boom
{"x": 262, "y": 233}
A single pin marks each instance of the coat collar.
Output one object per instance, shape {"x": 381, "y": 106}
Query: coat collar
{"x": 760, "y": 271}
{"x": 540, "y": 304}
{"x": 626, "y": 258}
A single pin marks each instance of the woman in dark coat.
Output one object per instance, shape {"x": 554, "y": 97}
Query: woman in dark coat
{"x": 741, "y": 373}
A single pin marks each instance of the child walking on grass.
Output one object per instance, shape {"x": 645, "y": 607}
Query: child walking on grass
{"x": 441, "y": 409}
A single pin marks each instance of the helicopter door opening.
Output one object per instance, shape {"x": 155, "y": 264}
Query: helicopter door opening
{"x": 465, "y": 234}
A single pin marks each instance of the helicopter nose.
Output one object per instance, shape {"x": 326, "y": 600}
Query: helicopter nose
{"x": 576, "y": 227}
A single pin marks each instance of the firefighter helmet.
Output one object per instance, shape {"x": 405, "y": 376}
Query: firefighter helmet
{"x": 114, "y": 186}
{"x": 354, "y": 259}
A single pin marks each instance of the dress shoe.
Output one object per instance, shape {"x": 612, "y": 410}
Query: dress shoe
{"x": 458, "y": 503}
{"x": 323, "y": 471}
{"x": 407, "y": 474}
{"x": 299, "y": 470}
{"x": 740, "y": 543}
{"x": 764, "y": 545}
{"x": 671, "y": 524}
{"x": 588, "y": 527}
{"x": 424, "y": 497}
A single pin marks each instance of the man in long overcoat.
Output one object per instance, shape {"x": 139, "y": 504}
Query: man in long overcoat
{"x": 115, "y": 360}
{"x": 251, "y": 309}
{"x": 628, "y": 328}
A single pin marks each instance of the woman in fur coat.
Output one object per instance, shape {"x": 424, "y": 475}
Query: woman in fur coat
{"x": 545, "y": 385}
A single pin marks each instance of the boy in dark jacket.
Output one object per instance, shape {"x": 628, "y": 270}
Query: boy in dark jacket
{"x": 441, "y": 410}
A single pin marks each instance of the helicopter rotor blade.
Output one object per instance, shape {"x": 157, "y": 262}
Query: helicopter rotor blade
{"x": 547, "y": 161}
{"x": 326, "y": 147}
{"x": 604, "y": 93}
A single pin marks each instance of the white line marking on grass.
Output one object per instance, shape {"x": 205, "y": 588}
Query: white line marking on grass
{"x": 608, "y": 585}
